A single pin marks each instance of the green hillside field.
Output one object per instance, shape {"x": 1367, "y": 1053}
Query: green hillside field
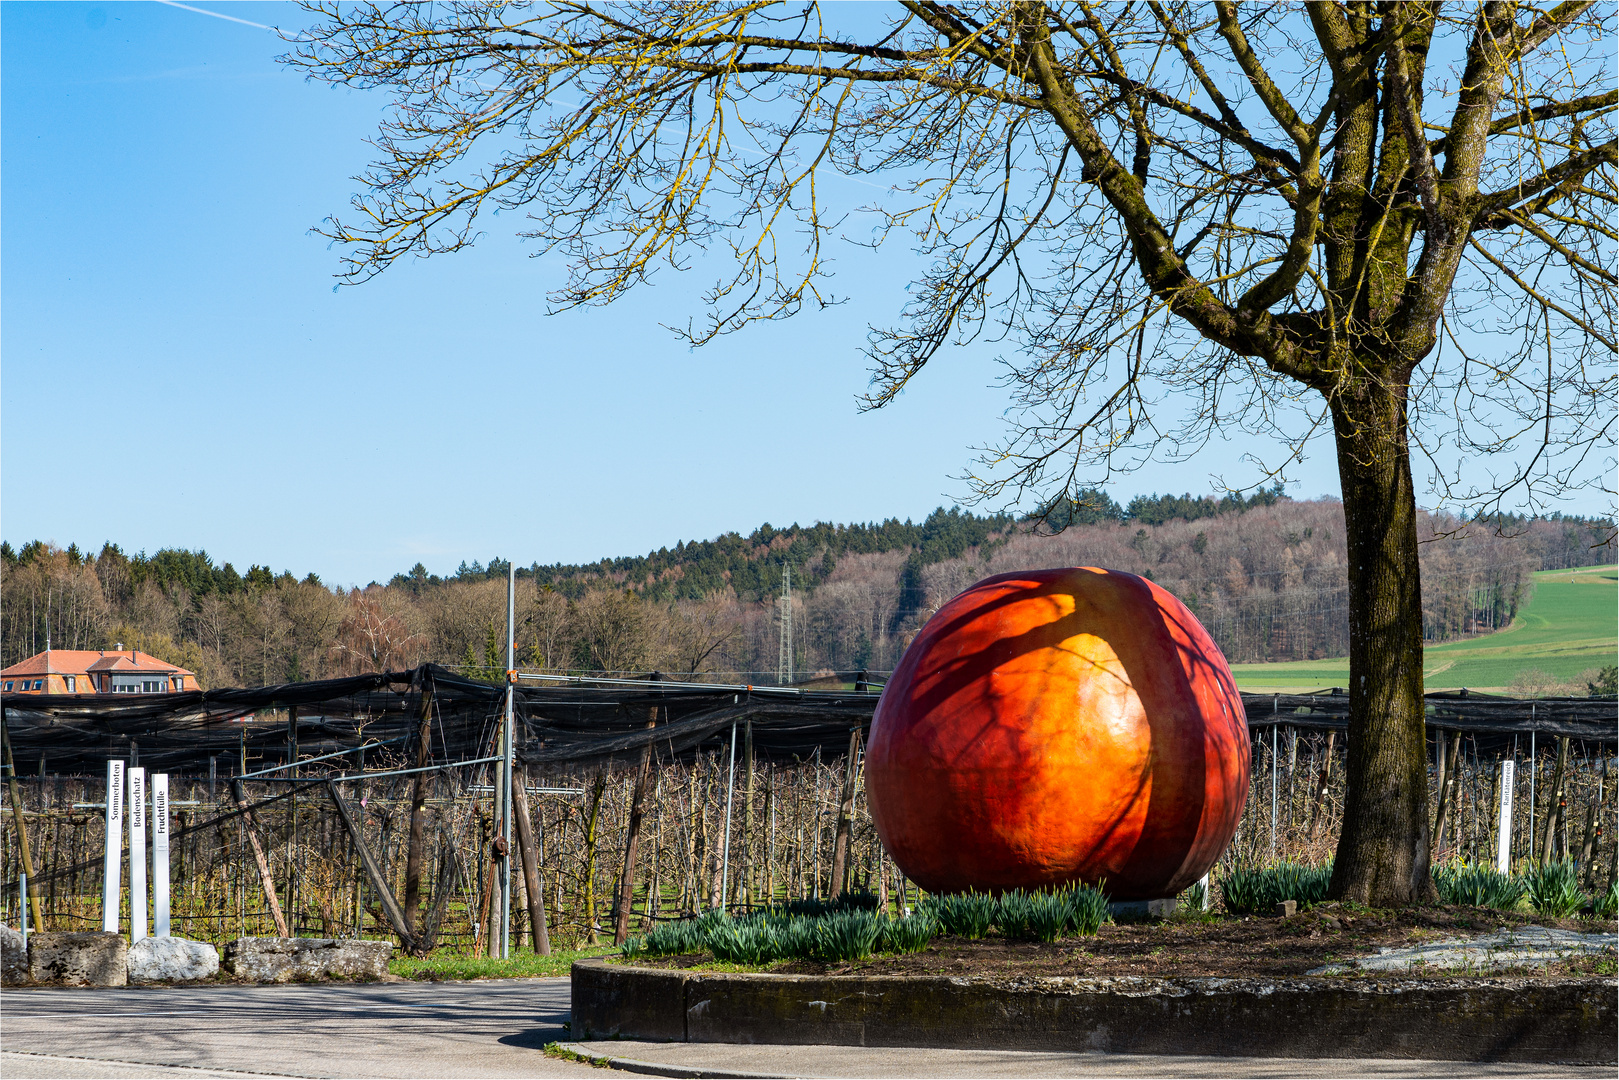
{"x": 1570, "y": 626}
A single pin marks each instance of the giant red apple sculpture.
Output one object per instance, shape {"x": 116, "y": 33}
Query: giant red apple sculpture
{"x": 1054, "y": 726}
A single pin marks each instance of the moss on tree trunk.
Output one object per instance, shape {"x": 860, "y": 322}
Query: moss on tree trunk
{"x": 1382, "y": 855}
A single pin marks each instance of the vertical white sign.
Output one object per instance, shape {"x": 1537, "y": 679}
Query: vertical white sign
{"x": 160, "y": 854}
{"x": 137, "y": 854}
{"x": 1503, "y": 843}
{"x": 112, "y": 865}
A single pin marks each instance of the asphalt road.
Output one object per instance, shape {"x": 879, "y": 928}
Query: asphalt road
{"x": 407, "y": 1030}
{"x": 497, "y": 1029}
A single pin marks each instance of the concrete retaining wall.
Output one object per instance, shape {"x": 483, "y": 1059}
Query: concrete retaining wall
{"x": 1475, "y": 1019}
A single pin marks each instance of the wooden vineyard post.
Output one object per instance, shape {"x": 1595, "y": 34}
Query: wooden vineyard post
{"x": 379, "y": 882}
{"x": 626, "y": 884}
{"x": 258, "y": 855}
{"x": 533, "y": 890}
{"x": 840, "y": 842}
{"x": 22, "y": 830}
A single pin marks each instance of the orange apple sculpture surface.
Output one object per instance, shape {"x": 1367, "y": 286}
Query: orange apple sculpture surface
{"x": 1056, "y": 726}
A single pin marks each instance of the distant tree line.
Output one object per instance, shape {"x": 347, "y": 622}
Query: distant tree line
{"x": 1266, "y": 574}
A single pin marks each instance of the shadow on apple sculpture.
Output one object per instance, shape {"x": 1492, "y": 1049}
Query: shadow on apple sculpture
{"x": 1058, "y": 726}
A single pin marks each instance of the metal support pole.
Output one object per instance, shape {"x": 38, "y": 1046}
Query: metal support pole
{"x": 725, "y": 856}
{"x": 507, "y": 746}
{"x": 112, "y": 859}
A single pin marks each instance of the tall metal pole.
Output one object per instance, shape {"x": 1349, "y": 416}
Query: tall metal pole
{"x": 507, "y": 764}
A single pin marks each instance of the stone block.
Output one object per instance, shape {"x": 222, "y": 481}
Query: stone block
{"x": 1286, "y": 909}
{"x": 78, "y": 959}
{"x": 172, "y": 959}
{"x": 13, "y": 957}
{"x": 269, "y": 959}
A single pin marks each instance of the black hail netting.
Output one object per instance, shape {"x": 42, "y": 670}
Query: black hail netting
{"x": 581, "y": 723}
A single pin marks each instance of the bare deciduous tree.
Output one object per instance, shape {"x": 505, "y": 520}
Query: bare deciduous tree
{"x": 1388, "y": 221}
{"x": 372, "y": 638}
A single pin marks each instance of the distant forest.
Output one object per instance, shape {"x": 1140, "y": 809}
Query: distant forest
{"x": 1265, "y": 574}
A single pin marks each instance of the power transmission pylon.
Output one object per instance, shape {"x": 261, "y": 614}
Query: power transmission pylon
{"x": 784, "y": 660}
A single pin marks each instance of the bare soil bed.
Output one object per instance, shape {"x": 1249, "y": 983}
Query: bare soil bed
{"x": 1198, "y": 945}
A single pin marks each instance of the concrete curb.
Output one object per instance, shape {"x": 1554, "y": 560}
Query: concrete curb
{"x": 658, "y": 1068}
{"x": 1457, "y": 1019}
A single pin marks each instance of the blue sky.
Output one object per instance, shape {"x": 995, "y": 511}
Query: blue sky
{"x": 178, "y": 370}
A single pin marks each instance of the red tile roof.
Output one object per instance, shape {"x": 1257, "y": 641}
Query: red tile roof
{"x": 84, "y": 661}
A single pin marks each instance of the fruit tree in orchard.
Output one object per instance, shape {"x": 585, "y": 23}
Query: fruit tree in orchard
{"x": 1059, "y": 725}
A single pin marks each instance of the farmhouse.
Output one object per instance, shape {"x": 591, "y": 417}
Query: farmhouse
{"x": 95, "y": 671}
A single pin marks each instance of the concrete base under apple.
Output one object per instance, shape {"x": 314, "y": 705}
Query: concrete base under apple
{"x": 1458, "y": 1019}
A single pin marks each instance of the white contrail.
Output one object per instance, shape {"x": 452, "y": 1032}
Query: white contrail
{"x": 215, "y": 14}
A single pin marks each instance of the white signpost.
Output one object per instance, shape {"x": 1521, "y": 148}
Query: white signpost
{"x": 137, "y": 854}
{"x": 160, "y": 854}
{"x": 112, "y": 864}
{"x": 1503, "y": 843}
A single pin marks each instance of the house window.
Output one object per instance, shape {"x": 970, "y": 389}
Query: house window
{"x": 179, "y": 682}
{"x": 104, "y": 684}
{"x": 72, "y": 683}
{"x": 38, "y": 683}
{"x": 8, "y": 684}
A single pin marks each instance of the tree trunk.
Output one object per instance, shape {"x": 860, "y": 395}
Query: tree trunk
{"x": 746, "y": 876}
{"x": 1322, "y": 781}
{"x": 840, "y": 842}
{"x": 418, "y": 812}
{"x": 626, "y": 885}
{"x": 1447, "y": 786}
{"x": 1554, "y": 804}
{"x": 589, "y": 901}
{"x": 1382, "y": 857}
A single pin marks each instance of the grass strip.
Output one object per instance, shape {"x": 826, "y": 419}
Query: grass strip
{"x": 524, "y": 964}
